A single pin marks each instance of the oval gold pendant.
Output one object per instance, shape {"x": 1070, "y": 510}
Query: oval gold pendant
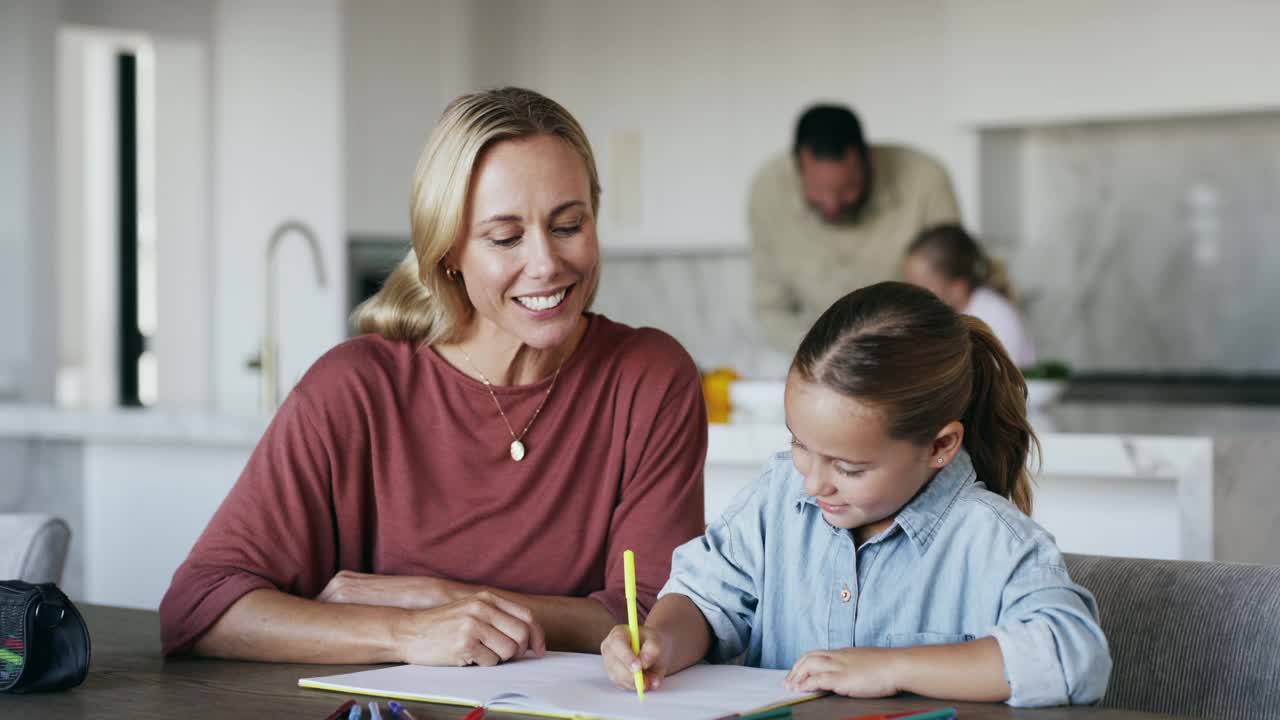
{"x": 517, "y": 450}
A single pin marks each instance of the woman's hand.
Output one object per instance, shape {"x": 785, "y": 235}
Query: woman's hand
{"x": 620, "y": 663}
{"x": 410, "y": 593}
{"x": 865, "y": 672}
{"x": 482, "y": 629}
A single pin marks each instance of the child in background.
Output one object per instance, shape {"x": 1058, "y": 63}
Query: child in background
{"x": 891, "y": 549}
{"x": 947, "y": 261}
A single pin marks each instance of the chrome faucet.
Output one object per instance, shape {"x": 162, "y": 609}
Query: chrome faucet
{"x": 267, "y": 361}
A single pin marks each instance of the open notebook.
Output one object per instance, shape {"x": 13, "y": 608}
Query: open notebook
{"x": 573, "y": 685}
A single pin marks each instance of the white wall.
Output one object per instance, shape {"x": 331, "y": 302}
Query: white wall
{"x": 1012, "y": 62}
{"x": 28, "y": 48}
{"x": 88, "y": 257}
{"x": 278, "y": 144}
{"x": 707, "y": 89}
{"x": 15, "y": 250}
{"x": 712, "y": 89}
{"x": 185, "y": 255}
{"x": 179, "y": 32}
{"x": 405, "y": 60}
{"x": 189, "y": 19}
{"x": 174, "y": 197}
{"x": 273, "y": 70}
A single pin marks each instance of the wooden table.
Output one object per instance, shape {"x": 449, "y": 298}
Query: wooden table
{"x": 129, "y": 680}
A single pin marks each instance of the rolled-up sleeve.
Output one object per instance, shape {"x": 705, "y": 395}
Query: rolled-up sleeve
{"x": 718, "y": 572}
{"x": 1049, "y": 635}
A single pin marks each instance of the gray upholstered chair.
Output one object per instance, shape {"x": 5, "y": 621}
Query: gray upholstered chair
{"x": 33, "y": 547}
{"x": 1198, "y": 639}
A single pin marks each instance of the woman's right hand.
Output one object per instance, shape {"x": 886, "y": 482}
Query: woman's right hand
{"x": 620, "y": 663}
{"x": 482, "y": 629}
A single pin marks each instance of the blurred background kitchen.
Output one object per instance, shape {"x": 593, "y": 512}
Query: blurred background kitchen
{"x": 195, "y": 193}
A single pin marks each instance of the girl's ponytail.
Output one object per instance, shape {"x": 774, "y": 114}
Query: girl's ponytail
{"x": 997, "y": 434}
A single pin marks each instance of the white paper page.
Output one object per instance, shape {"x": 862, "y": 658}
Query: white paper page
{"x": 702, "y": 692}
{"x": 573, "y": 683}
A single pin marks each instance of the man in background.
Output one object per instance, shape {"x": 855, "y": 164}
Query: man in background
{"x": 833, "y": 215}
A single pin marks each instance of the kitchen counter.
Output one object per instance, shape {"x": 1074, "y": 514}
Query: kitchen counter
{"x": 126, "y": 425}
{"x": 138, "y": 486}
{"x": 747, "y": 442}
{"x": 1164, "y": 481}
{"x": 1184, "y": 389}
{"x": 1157, "y": 419}
{"x": 152, "y": 426}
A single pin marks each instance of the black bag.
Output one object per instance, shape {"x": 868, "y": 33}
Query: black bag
{"x": 44, "y": 644}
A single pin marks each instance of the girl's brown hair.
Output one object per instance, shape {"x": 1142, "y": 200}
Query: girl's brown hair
{"x": 955, "y": 254}
{"x": 900, "y": 349}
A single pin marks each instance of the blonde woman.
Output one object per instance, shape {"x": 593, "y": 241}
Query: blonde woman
{"x": 457, "y": 485}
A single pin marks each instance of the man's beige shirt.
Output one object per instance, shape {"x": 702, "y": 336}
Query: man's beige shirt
{"x": 802, "y": 264}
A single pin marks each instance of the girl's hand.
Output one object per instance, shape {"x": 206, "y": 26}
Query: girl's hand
{"x": 410, "y": 593}
{"x": 620, "y": 663}
{"x": 856, "y": 672}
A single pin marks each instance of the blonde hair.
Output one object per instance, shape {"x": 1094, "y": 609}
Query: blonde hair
{"x": 898, "y": 348}
{"x": 957, "y": 255}
{"x": 419, "y": 301}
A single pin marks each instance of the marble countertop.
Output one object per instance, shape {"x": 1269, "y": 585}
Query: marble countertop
{"x": 126, "y": 425}
{"x": 152, "y": 426}
{"x": 1157, "y": 419}
{"x": 1131, "y": 418}
{"x": 1064, "y": 426}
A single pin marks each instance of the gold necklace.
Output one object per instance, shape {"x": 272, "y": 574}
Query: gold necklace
{"x": 517, "y": 444}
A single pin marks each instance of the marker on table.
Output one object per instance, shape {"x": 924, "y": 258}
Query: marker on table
{"x": 356, "y": 712}
{"x": 399, "y": 712}
{"x": 374, "y": 714}
{"x": 942, "y": 714}
{"x": 475, "y": 714}
{"x": 633, "y": 622}
{"x": 778, "y": 713}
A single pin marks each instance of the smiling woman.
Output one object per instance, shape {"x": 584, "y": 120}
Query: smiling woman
{"x": 457, "y": 485}
{"x": 530, "y": 260}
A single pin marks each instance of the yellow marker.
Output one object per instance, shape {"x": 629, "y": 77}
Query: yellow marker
{"x": 633, "y": 621}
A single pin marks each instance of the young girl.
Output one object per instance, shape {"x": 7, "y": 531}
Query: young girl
{"x": 947, "y": 261}
{"x": 890, "y": 550}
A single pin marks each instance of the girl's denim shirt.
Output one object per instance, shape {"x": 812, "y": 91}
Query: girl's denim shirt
{"x": 775, "y": 580}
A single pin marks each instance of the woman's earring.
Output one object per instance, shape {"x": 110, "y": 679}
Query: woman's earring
{"x": 453, "y": 274}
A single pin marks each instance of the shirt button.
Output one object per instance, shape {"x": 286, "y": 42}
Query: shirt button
{"x": 845, "y": 595}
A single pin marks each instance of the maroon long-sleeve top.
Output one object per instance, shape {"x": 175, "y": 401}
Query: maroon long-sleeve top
{"x": 387, "y": 459}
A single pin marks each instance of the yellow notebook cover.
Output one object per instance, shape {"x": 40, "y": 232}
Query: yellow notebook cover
{"x": 573, "y": 685}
